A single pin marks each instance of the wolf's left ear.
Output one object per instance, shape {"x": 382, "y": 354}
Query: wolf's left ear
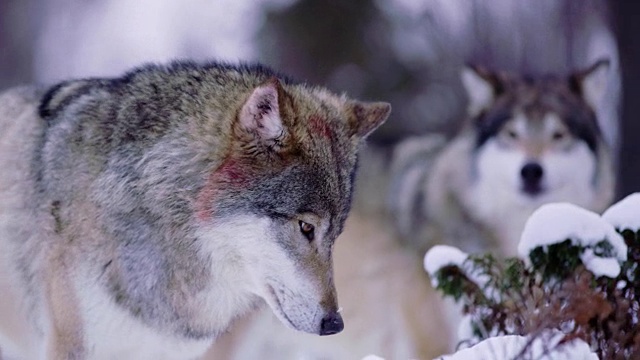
{"x": 591, "y": 83}
{"x": 482, "y": 87}
{"x": 367, "y": 116}
{"x": 259, "y": 118}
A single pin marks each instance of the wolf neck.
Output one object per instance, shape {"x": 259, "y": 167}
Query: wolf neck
{"x": 490, "y": 206}
{"x": 232, "y": 291}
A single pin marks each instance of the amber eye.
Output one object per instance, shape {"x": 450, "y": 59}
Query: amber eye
{"x": 307, "y": 230}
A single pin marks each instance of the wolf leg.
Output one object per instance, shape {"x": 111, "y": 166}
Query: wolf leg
{"x": 64, "y": 340}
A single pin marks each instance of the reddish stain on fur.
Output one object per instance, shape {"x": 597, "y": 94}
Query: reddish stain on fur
{"x": 319, "y": 126}
{"x": 230, "y": 174}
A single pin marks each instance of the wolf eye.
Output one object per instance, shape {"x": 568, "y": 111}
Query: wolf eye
{"x": 307, "y": 230}
{"x": 512, "y": 134}
{"x": 558, "y": 135}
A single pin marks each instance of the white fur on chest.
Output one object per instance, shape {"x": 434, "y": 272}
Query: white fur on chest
{"x": 112, "y": 333}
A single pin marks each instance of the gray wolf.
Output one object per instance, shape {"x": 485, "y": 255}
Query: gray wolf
{"x": 141, "y": 215}
{"x": 527, "y": 141}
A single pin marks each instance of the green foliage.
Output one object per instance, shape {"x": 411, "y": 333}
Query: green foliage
{"x": 514, "y": 274}
{"x": 558, "y": 260}
{"x": 452, "y": 281}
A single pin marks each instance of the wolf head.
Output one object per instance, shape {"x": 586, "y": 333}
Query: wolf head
{"x": 283, "y": 191}
{"x": 538, "y": 139}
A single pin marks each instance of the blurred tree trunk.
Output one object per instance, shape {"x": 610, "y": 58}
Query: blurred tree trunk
{"x": 628, "y": 30}
{"x": 17, "y": 37}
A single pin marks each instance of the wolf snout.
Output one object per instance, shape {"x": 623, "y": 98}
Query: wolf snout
{"x": 331, "y": 324}
{"x": 531, "y": 174}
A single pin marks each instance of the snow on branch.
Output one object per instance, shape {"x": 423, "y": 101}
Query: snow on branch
{"x": 625, "y": 214}
{"x": 594, "y": 240}
{"x": 441, "y": 256}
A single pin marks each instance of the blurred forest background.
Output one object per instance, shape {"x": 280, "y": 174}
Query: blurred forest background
{"x": 408, "y": 52}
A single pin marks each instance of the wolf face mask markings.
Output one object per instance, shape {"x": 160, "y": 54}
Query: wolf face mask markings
{"x": 532, "y": 125}
{"x": 529, "y": 158}
{"x": 184, "y": 194}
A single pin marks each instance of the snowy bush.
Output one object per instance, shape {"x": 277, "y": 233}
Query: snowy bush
{"x": 577, "y": 275}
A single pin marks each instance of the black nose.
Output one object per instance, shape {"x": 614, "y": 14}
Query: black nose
{"x": 331, "y": 324}
{"x": 531, "y": 174}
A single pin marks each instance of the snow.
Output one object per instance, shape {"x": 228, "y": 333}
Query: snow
{"x": 543, "y": 347}
{"x": 600, "y": 266}
{"x": 440, "y": 256}
{"x": 554, "y": 223}
{"x": 372, "y": 357}
{"x": 465, "y": 328}
{"x": 625, "y": 214}
{"x": 557, "y": 222}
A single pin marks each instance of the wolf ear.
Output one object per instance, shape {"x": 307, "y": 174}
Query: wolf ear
{"x": 60, "y": 95}
{"x": 367, "y": 116}
{"x": 591, "y": 83}
{"x": 482, "y": 87}
{"x": 259, "y": 118}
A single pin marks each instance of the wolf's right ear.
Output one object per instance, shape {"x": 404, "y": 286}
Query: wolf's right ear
{"x": 482, "y": 88}
{"x": 367, "y": 116}
{"x": 57, "y": 97}
{"x": 259, "y": 119}
{"x": 591, "y": 83}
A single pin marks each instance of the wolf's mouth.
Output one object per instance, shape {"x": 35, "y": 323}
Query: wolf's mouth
{"x": 280, "y": 311}
{"x": 532, "y": 190}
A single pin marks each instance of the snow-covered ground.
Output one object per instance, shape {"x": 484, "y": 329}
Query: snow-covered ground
{"x": 546, "y": 346}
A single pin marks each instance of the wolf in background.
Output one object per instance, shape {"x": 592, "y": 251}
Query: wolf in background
{"x": 141, "y": 215}
{"x": 527, "y": 141}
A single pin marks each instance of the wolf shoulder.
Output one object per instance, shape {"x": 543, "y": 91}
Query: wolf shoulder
{"x": 20, "y": 127}
{"x": 16, "y": 103}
